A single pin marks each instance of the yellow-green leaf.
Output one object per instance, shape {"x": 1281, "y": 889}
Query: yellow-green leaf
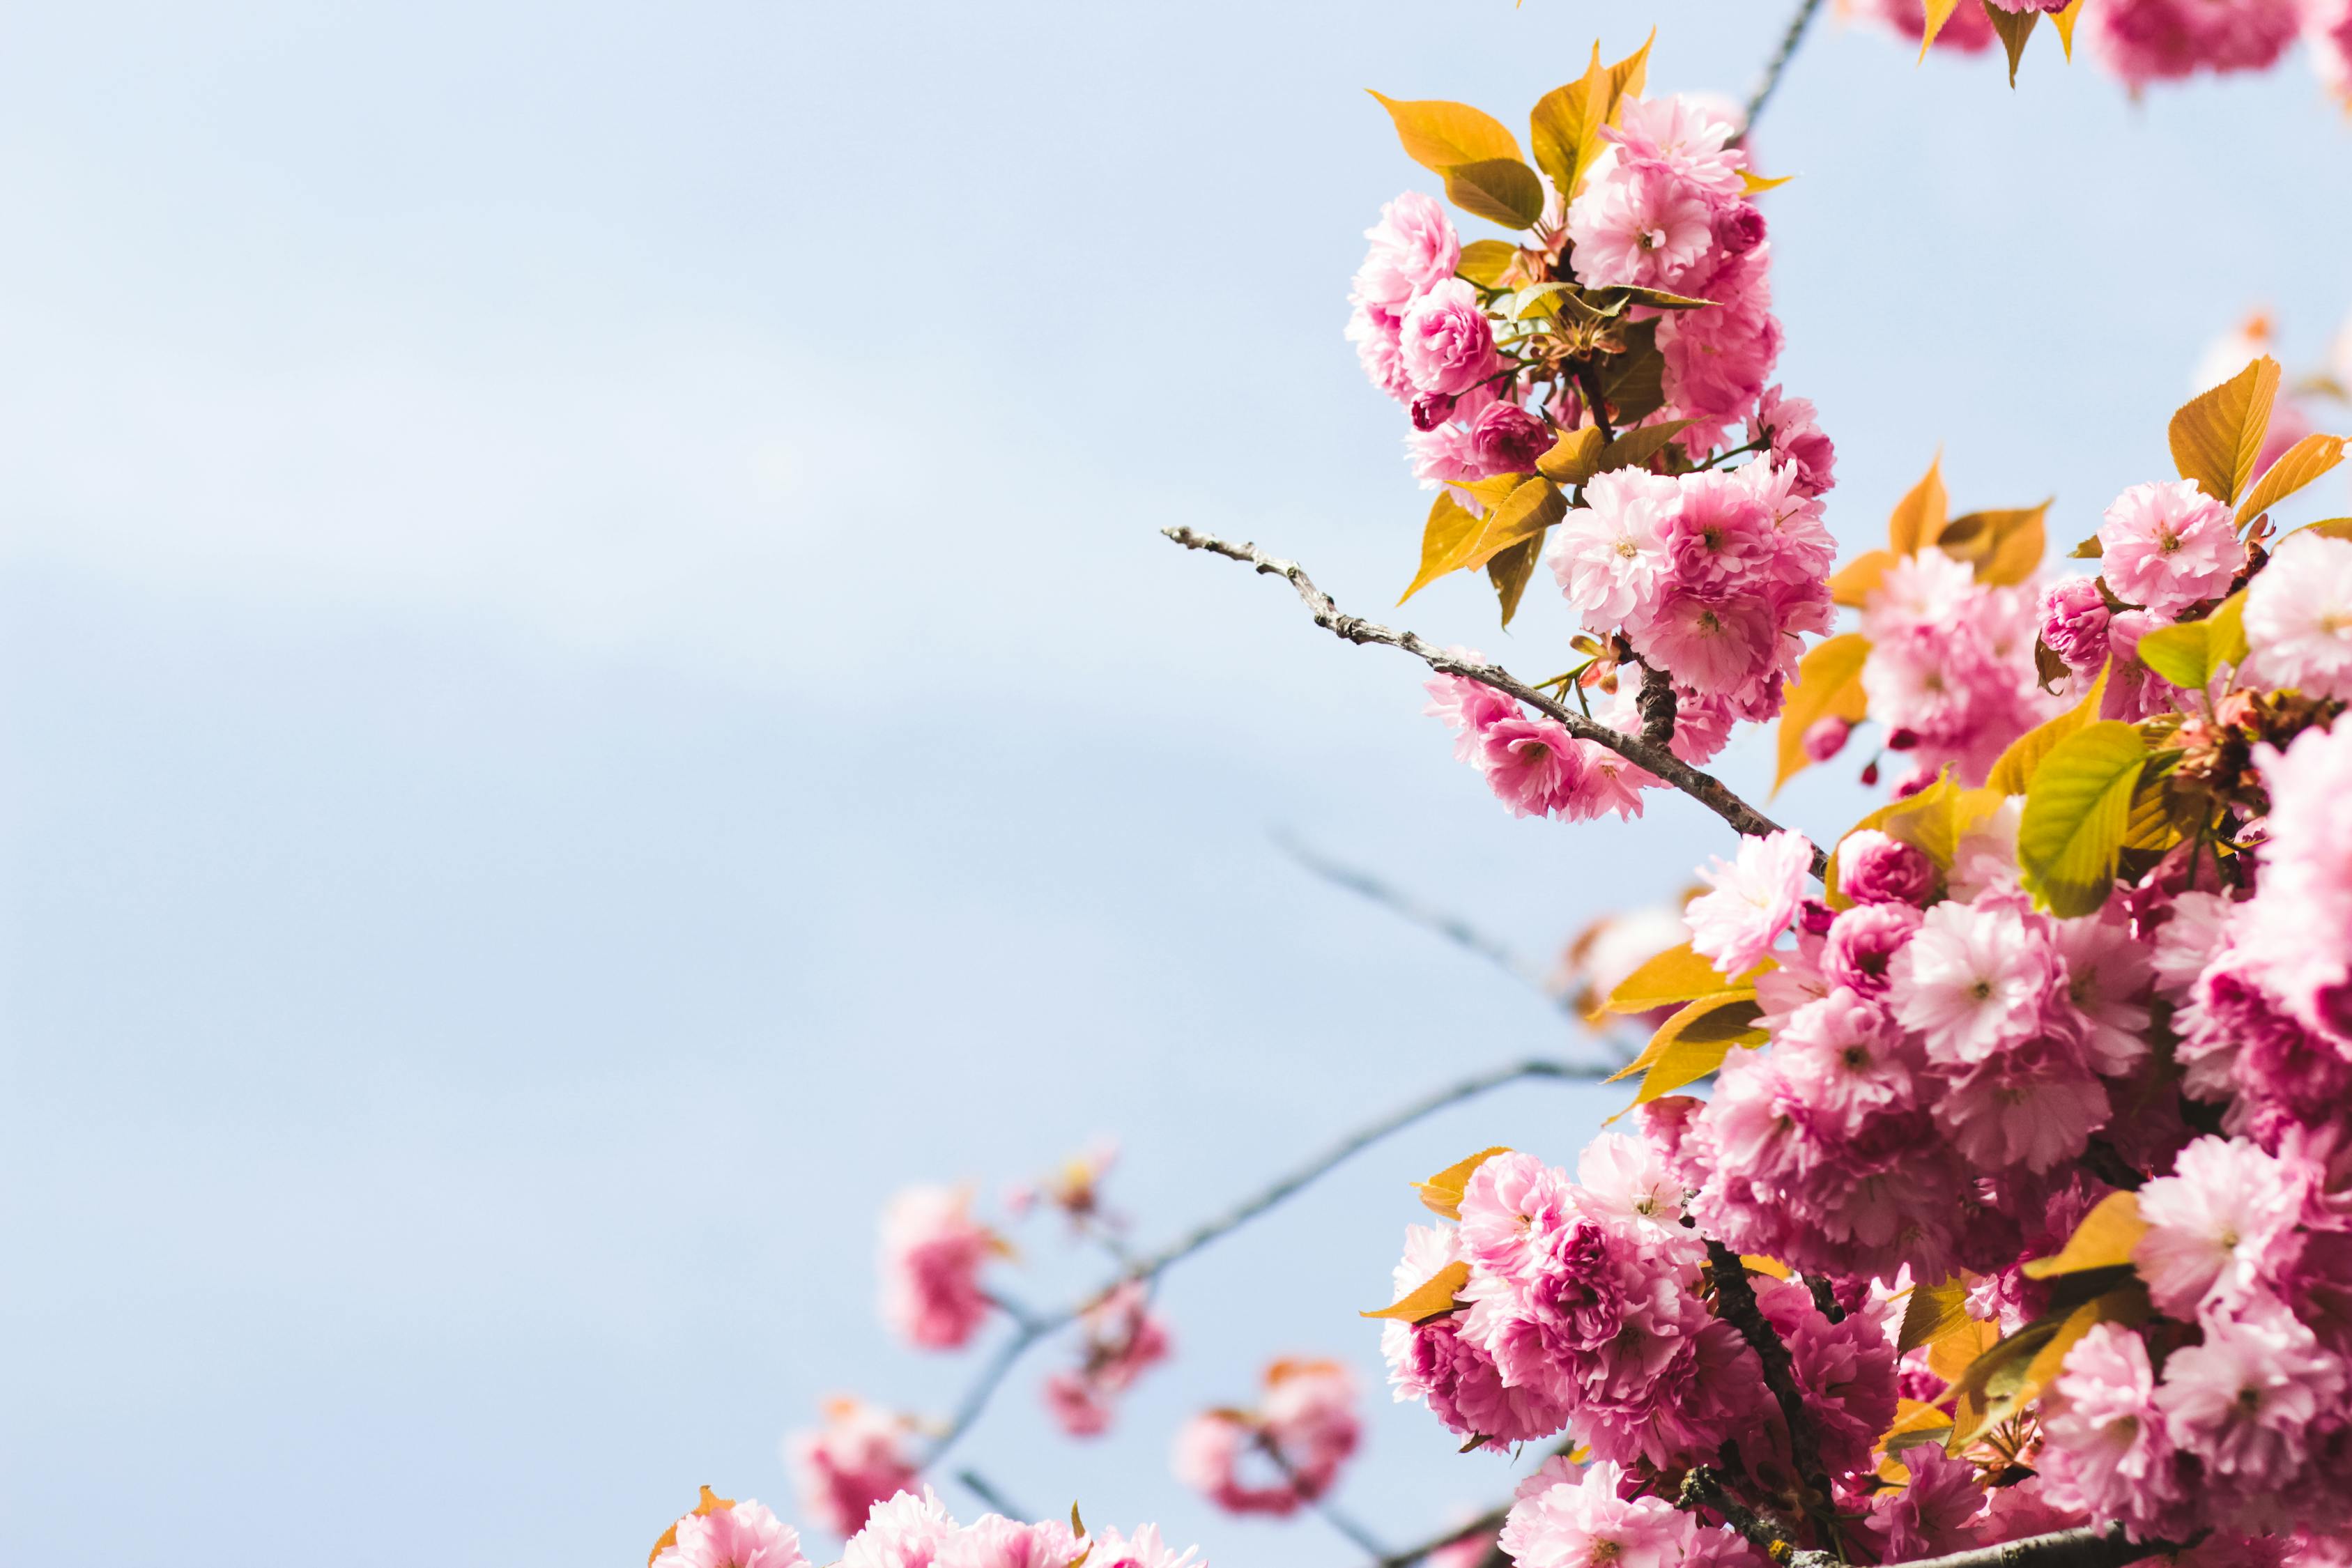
{"x": 1510, "y": 571}
{"x": 1675, "y": 976}
{"x": 1938, "y": 12}
{"x": 1953, "y": 1352}
{"x": 1756, "y": 185}
{"x": 2012, "y": 1374}
{"x": 1519, "y": 517}
{"x": 2003, "y": 546}
{"x": 1565, "y": 126}
{"x": 2179, "y": 654}
{"x": 1932, "y": 1312}
{"x": 1532, "y": 508}
{"x": 1858, "y": 578}
{"x": 1828, "y": 686}
{"x": 2076, "y": 810}
{"x": 2225, "y": 642}
{"x": 1500, "y": 190}
{"x": 2296, "y": 467}
{"x": 1485, "y": 260}
{"x": 1434, "y": 1297}
{"x": 1441, "y": 1193}
{"x": 2013, "y": 770}
{"x": 2014, "y": 27}
{"x": 2065, "y": 22}
{"x": 1917, "y": 1423}
{"x": 1919, "y": 516}
{"x": 2102, "y": 1240}
{"x": 1635, "y": 447}
{"x": 1574, "y": 457}
{"x": 1438, "y": 135}
{"x": 2217, "y": 435}
{"x": 1693, "y": 1044}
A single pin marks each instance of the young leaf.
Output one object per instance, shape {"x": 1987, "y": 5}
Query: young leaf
{"x": 2102, "y": 1240}
{"x": 1917, "y": 1423}
{"x": 1633, "y": 383}
{"x": 1952, "y": 1353}
{"x": 1852, "y": 583}
{"x": 2014, "y": 27}
{"x": 1673, "y": 976}
{"x": 1564, "y": 128}
{"x": 1500, "y": 190}
{"x": 2003, "y": 546}
{"x": 1433, "y": 1297}
{"x": 1656, "y": 298}
{"x": 1938, "y": 12}
{"x": 2217, "y": 435}
{"x": 1510, "y": 571}
{"x": 1533, "y": 507}
{"x": 2076, "y": 809}
{"x": 1438, "y": 135}
{"x": 1693, "y": 1044}
{"x": 2296, "y": 467}
{"x": 1636, "y": 447}
{"x": 1574, "y": 457}
{"x": 2012, "y": 771}
{"x": 2179, "y": 654}
{"x": 1445, "y": 541}
{"x": 1756, "y": 185}
{"x": 1441, "y": 1193}
{"x": 1484, "y": 261}
{"x": 1933, "y": 1311}
{"x": 1919, "y": 516}
{"x": 1829, "y": 685}
{"x": 2065, "y": 22}
{"x": 2225, "y": 638}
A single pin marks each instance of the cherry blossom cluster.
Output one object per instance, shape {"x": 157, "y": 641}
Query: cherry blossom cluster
{"x": 2144, "y": 41}
{"x": 907, "y": 1530}
{"x": 1286, "y": 1453}
{"x": 1951, "y": 675}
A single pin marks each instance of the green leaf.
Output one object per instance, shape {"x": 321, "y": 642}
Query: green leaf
{"x": 1438, "y": 135}
{"x": 1655, "y": 299}
{"x": 1501, "y": 190}
{"x": 1828, "y": 685}
{"x": 1634, "y": 382}
{"x": 2217, "y": 435}
{"x": 2012, "y": 771}
{"x": 2296, "y": 467}
{"x": 2076, "y": 810}
{"x": 1933, "y": 1311}
{"x": 2014, "y": 27}
{"x": 2226, "y": 642}
{"x": 2179, "y": 654}
{"x": 1483, "y": 261}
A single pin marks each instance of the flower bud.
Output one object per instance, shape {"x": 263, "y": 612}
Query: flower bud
{"x": 1825, "y": 738}
{"x": 1430, "y": 408}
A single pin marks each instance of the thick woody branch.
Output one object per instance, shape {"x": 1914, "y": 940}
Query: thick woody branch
{"x": 1657, "y": 761}
{"x": 1656, "y": 706}
{"x": 1734, "y": 1302}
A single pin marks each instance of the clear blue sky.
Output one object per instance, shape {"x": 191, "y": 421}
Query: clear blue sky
{"x": 588, "y": 686}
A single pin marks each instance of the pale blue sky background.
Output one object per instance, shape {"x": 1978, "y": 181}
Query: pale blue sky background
{"x": 587, "y": 686}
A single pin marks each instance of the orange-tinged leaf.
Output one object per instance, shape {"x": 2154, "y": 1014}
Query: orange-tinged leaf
{"x": 1919, "y": 516}
{"x": 2104, "y": 1239}
{"x": 1939, "y": 12}
{"x": 1486, "y": 261}
{"x": 1673, "y": 976}
{"x": 1757, "y": 185}
{"x": 2004, "y": 546}
{"x": 1445, "y": 541}
{"x": 1828, "y": 686}
{"x": 1693, "y": 1044}
{"x": 1431, "y": 1298}
{"x": 2329, "y": 528}
{"x": 1853, "y": 581}
{"x": 1565, "y": 126}
{"x": 2013, "y": 770}
{"x": 1454, "y": 539}
{"x": 1951, "y": 1357}
{"x": 1760, "y": 1265}
{"x": 2065, "y": 22}
{"x": 2014, "y": 27}
{"x": 1441, "y": 1193}
{"x": 2296, "y": 466}
{"x": 1438, "y": 135}
{"x": 1912, "y": 1417}
{"x": 1509, "y": 573}
{"x": 1500, "y": 190}
{"x": 1574, "y": 457}
{"x": 2012, "y": 1375}
{"x": 1530, "y": 510}
{"x": 2218, "y": 434}
{"x": 711, "y": 1504}
{"x": 1932, "y": 1312}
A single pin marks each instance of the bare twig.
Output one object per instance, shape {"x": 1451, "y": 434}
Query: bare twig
{"x": 1452, "y": 928}
{"x": 1320, "y": 1502}
{"x": 980, "y": 1487}
{"x": 1777, "y": 65}
{"x": 1735, "y": 1304}
{"x": 1030, "y": 1325}
{"x": 1486, "y": 1523}
{"x": 1706, "y": 790}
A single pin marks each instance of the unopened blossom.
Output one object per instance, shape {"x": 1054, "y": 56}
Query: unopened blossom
{"x": 1508, "y": 439}
{"x": 1875, "y": 868}
{"x": 1861, "y": 945}
{"x": 1445, "y": 343}
{"x": 1754, "y": 897}
{"x": 860, "y": 1456}
{"x": 2167, "y": 545}
{"x": 932, "y": 1250}
{"x": 731, "y": 1535}
{"x": 2298, "y": 618}
{"x": 2075, "y": 622}
{"x": 2219, "y": 1226}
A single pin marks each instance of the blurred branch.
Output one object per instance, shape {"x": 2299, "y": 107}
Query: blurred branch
{"x": 1774, "y": 67}
{"x": 1030, "y": 1325}
{"x": 1662, "y": 763}
{"x": 1485, "y": 1524}
{"x": 980, "y": 1487}
{"x": 1452, "y": 928}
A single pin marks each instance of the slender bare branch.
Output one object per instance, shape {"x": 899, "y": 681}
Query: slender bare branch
{"x": 1706, "y": 790}
{"x": 1486, "y": 1523}
{"x": 1031, "y": 1326}
{"x": 983, "y": 1489}
{"x": 1774, "y": 67}
{"x": 1333, "y": 1515}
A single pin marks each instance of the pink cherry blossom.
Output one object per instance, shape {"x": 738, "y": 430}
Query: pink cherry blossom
{"x": 1586, "y": 1523}
{"x": 858, "y": 1458}
{"x": 2167, "y": 545}
{"x": 2243, "y": 1401}
{"x": 1414, "y": 249}
{"x": 1754, "y": 897}
{"x": 740, "y": 1535}
{"x": 2298, "y": 618}
{"x": 1932, "y": 1512}
{"x": 993, "y": 1541}
{"x": 1444, "y": 341}
{"x": 1640, "y": 221}
{"x": 1534, "y": 766}
{"x": 1789, "y": 426}
{"x": 2218, "y": 1227}
{"x": 2075, "y": 622}
{"x": 1971, "y": 981}
{"x": 1874, "y": 868}
{"x": 1120, "y": 1338}
{"x": 2107, "y": 1446}
{"x": 1610, "y": 553}
{"x": 932, "y": 1250}
{"x": 2156, "y": 40}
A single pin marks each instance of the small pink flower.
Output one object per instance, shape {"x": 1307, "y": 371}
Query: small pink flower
{"x": 1586, "y": 1523}
{"x": 2299, "y": 615}
{"x": 1446, "y": 343}
{"x": 1716, "y": 644}
{"x": 1508, "y": 439}
{"x": 738, "y": 1535}
{"x": 857, "y": 1459}
{"x": 2157, "y": 40}
{"x": 996, "y": 1542}
{"x": 1144, "y": 1548}
{"x": 1123, "y": 1338}
{"x": 2245, "y": 1400}
{"x": 1754, "y": 899}
{"x": 1641, "y": 224}
{"x": 1932, "y": 1513}
{"x": 1378, "y": 333}
{"x": 1533, "y": 765}
{"x": 1874, "y": 868}
{"x": 2169, "y": 545}
{"x": 1972, "y": 981}
{"x": 2075, "y": 622}
{"x": 1414, "y": 249}
{"x": 2107, "y": 1438}
{"x": 2216, "y": 1225}
{"x": 932, "y": 1250}
{"x": 1610, "y": 553}
{"x": 1795, "y": 439}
